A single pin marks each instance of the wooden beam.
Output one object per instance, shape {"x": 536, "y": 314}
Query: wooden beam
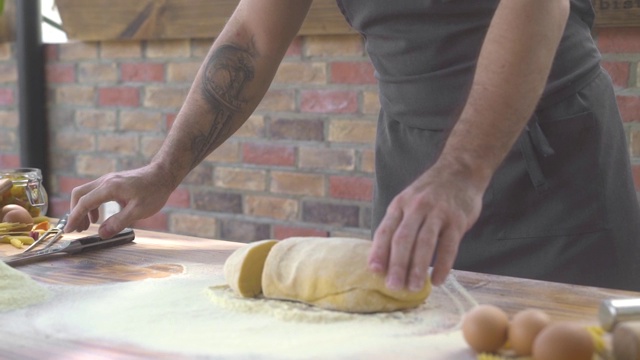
{"x": 173, "y": 19}
{"x": 617, "y": 12}
{"x": 8, "y": 22}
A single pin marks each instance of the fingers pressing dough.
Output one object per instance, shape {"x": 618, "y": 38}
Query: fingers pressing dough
{"x": 243, "y": 269}
{"x": 332, "y": 273}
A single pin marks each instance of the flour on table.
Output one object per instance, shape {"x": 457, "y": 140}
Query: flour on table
{"x": 18, "y": 290}
{"x": 193, "y": 314}
{"x": 441, "y": 312}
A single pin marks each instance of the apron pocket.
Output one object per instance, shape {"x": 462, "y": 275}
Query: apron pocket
{"x": 571, "y": 200}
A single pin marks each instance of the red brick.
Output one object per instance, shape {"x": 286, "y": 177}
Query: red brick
{"x": 216, "y": 201}
{"x": 67, "y": 184}
{"x": 629, "y": 106}
{"x": 244, "y": 231}
{"x": 352, "y": 188}
{"x": 200, "y": 175}
{"x": 302, "y": 130}
{"x": 74, "y": 95}
{"x": 60, "y": 73}
{"x": 636, "y": 176}
{"x": 367, "y": 161}
{"x": 327, "y": 158}
{"x": 6, "y": 51}
{"x": 278, "y": 100}
{"x": 333, "y": 45}
{"x": 254, "y": 127}
{"x": 51, "y": 52}
{"x": 7, "y": 97}
{"x": 58, "y": 206}
{"x": 9, "y": 119}
{"x": 619, "y": 72}
{"x": 266, "y": 154}
{"x": 351, "y": 72}
{"x": 297, "y": 183}
{"x": 271, "y": 207}
{"x": 329, "y": 101}
{"x": 8, "y": 73}
{"x": 157, "y": 222}
{"x": 295, "y": 48}
{"x": 200, "y": 47}
{"x": 619, "y": 39}
{"x": 142, "y": 72}
{"x": 164, "y": 96}
{"x": 119, "y": 96}
{"x": 332, "y": 214}
{"x": 169, "y": 120}
{"x": 367, "y": 217}
{"x": 282, "y": 232}
{"x": 8, "y": 140}
{"x": 8, "y": 161}
{"x": 227, "y": 152}
{"x": 90, "y": 72}
{"x": 203, "y": 225}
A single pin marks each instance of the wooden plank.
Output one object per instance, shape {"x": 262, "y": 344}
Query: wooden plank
{"x": 172, "y": 19}
{"x": 8, "y": 22}
{"x": 617, "y": 12}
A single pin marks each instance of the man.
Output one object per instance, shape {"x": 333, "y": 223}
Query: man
{"x": 497, "y": 125}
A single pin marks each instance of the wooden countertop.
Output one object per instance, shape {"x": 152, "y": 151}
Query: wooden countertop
{"x": 158, "y": 255}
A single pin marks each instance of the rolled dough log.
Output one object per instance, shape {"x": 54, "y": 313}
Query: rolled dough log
{"x": 332, "y": 273}
{"x": 243, "y": 269}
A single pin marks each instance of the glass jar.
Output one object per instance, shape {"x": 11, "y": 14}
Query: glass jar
{"x": 27, "y": 190}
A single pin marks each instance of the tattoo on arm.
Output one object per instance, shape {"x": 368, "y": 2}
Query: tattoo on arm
{"x": 228, "y": 71}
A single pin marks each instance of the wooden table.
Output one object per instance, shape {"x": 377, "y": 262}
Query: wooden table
{"x": 158, "y": 255}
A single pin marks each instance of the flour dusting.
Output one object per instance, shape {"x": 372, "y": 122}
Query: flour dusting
{"x": 194, "y": 314}
{"x": 18, "y": 290}
{"x": 441, "y": 312}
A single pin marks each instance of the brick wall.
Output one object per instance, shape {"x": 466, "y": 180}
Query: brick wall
{"x": 621, "y": 55}
{"x": 301, "y": 165}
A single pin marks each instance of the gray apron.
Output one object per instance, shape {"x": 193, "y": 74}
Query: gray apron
{"x": 562, "y": 205}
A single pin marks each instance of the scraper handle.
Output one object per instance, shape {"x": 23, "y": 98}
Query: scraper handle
{"x": 95, "y": 242}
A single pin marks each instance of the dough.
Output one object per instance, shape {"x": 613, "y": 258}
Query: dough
{"x": 332, "y": 273}
{"x": 243, "y": 269}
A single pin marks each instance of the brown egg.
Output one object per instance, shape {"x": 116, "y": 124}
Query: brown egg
{"x": 563, "y": 341}
{"x": 485, "y": 328}
{"x": 15, "y": 214}
{"x": 524, "y": 328}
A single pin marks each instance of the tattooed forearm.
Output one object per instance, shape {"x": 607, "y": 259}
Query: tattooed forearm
{"x": 228, "y": 71}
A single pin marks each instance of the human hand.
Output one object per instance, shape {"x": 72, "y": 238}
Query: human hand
{"x": 429, "y": 217}
{"x": 140, "y": 193}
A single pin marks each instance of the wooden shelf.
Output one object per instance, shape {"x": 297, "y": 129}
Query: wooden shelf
{"x": 173, "y": 19}
{"x": 617, "y": 12}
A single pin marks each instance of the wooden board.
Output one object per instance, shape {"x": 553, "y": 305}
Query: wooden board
{"x": 172, "y": 19}
{"x": 617, "y": 12}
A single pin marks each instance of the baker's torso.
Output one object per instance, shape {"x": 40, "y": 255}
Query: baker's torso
{"x": 425, "y": 52}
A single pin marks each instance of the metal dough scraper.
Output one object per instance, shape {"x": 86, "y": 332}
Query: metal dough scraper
{"x": 87, "y": 243}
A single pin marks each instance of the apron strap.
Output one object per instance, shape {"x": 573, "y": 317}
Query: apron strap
{"x": 534, "y": 141}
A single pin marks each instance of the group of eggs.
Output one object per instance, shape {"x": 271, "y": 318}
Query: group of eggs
{"x": 487, "y": 329}
{"x": 15, "y": 214}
